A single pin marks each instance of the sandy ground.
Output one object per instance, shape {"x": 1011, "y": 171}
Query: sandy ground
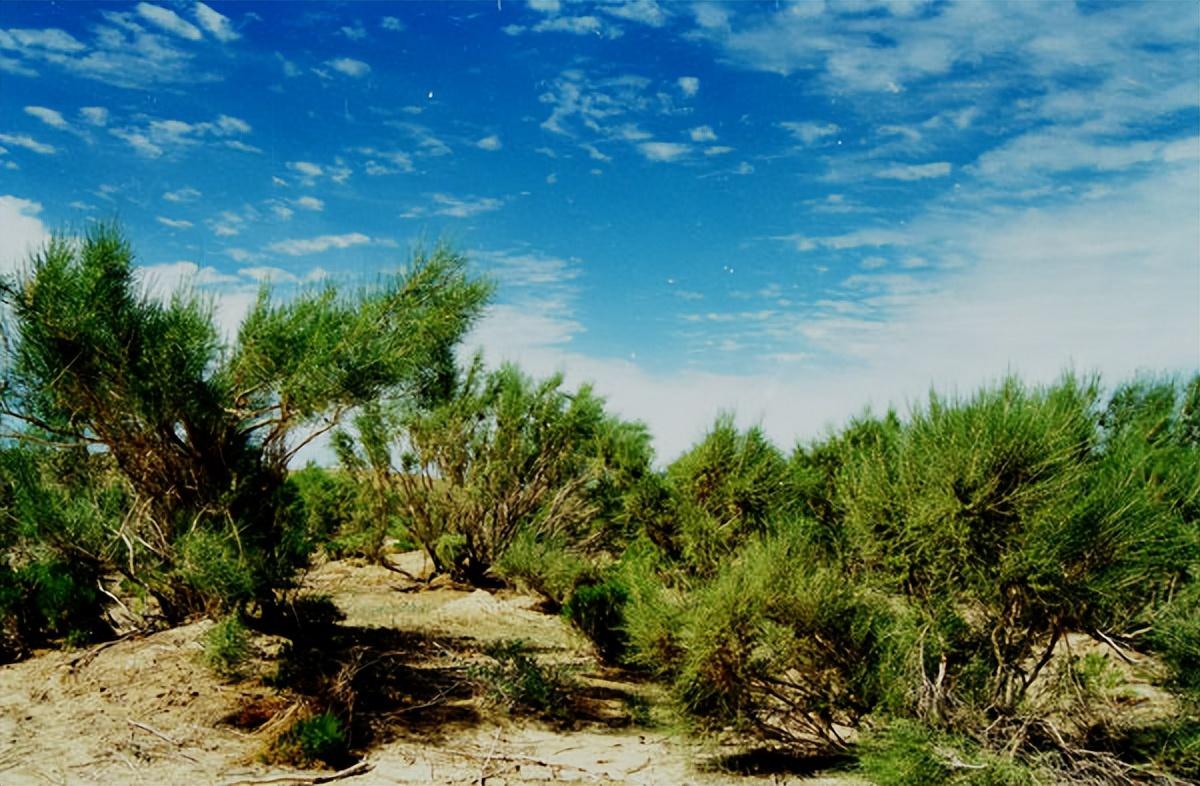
{"x": 146, "y": 711}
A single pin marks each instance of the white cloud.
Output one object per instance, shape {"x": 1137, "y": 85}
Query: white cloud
{"x": 391, "y": 24}
{"x": 21, "y": 232}
{"x": 385, "y": 162}
{"x": 310, "y": 203}
{"x": 354, "y": 32}
{"x": 174, "y": 223}
{"x": 29, "y": 143}
{"x": 47, "y": 40}
{"x": 216, "y": 24}
{"x": 95, "y": 115}
{"x": 464, "y": 208}
{"x": 317, "y": 245}
{"x": 490, "y": 142}
{"x": 646, "y": 12}
{"x": 910, "y": 172}
{"x": 50, "y": 117}
{"x": 349, "y": 67}
{"x": 228, "y": 126}
{"x": 186, "y": 194}
{"x": 161, "y": 136}
{"x": 809, "y": 132}
{"x": 578, "y": 25}
{"x": 663, "y": 151}
{"x": 239, "y": 145}
{"x": 545, "y": 6}
{"x": 703, "y": 134}
{"x": 688, "y": 85}
{"x": 305, "y": 168}
{"x": 290, "y": 69}
{"x": 168, "y": 20}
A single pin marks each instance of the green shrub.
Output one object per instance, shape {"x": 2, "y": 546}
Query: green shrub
{"x": 598, "y": 611}
{"x": 516, "y": 681}
{"x": 787, "y": 647}
{"x": 543, "y": 564}
{"x": 227, "y": 647}
{"x": 731, "y": 485}
{"x": 905, "y": 753}
{"x": 212, "y": 566}
{"x": 316, "y": 740}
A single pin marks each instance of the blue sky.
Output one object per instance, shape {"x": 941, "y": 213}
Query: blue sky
{"x": 790, "y": 210}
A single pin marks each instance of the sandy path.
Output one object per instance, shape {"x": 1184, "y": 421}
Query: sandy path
{"x": 145, "y": 711}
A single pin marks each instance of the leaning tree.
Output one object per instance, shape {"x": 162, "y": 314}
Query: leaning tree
{"x": 201, "y": 433}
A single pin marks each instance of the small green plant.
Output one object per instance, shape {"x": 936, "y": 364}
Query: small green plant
{"x": 597, "y": 610}
{"x": 227, "y": 647}
{"x": 905, "y": 753}
{"x": 315, "y": 740}
{"x": 516, "y": 681}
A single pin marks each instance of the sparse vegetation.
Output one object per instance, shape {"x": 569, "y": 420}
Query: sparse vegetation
{"x": 517, "y": 681}
{"x": 227, "y": 647}
{"x": 975, "y": 593}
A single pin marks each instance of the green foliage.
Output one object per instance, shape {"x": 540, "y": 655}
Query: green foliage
{"x": 904, "y": 753}
{"x": 731, "y": 485}
{"x": 55, "y": 515}
{"x": 1176, "y": 638}
{"x": 546, "y": 565}
{"x": 198, "y": 434}
{"x": 1009, "y": 505}
{"x": 516, "y": 681}
{"x": 326, "y": 502}
{"x": 786, "y": 646}
{"x": 598, "y": 611}
{"x": 226, "y": 647}
{"x": 505, "y": 454}
{"x": 317, "y": 740}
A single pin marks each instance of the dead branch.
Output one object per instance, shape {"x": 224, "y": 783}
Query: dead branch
{"x": 360, "y": 768}
{"x": 88, "y": 656}
{"x": 161, "y": 736}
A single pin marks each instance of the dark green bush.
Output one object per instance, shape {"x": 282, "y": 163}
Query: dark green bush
{"x": 598, "y": 611}
{"x": 730, "y": 486}
{"x": 316, "y": 740}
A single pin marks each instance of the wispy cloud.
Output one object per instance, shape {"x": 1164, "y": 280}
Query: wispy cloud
{"x": 646, "y": 12}
{"x": 348, "y": 66}
{"x": 664, "y": 151}
{"x": 809, "y": 132}
{"x": 158, "y": 137}
{"x": 454, "y": 207}
{"x": 50, "y": 117}
{"x": 95, "y": 115}
{"x": 166, "y": 19}
{"x": 915, "y": 171}
{"x": 174, "y": 223}
{"x": 187, "y": 194}
{"x": 490, "y": 142}
{"x": 217, "y": 25}
{"x": 318, "y": 245}
{"x": 29, "y": 143}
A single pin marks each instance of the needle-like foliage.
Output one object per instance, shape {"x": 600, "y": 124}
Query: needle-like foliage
{"x": 202, "y": 434}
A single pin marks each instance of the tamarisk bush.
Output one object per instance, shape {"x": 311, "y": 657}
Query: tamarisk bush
{"x": 201, "y": 434}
